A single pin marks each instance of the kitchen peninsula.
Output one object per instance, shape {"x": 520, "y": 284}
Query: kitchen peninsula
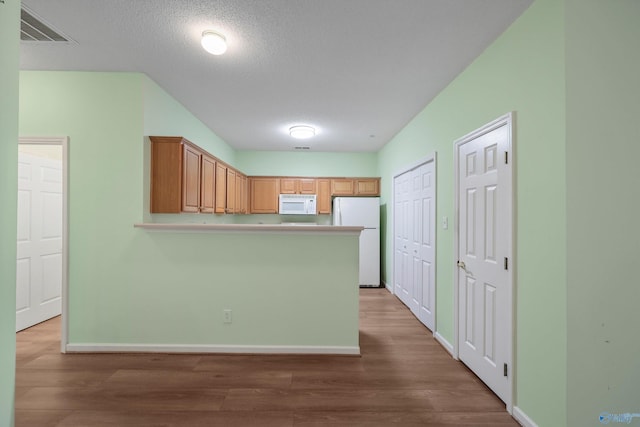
{"x": 249, "y": 288}
{"x": 210, "y": 281}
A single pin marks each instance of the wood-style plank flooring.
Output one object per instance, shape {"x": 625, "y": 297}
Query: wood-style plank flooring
{"x": 403, "y": 378}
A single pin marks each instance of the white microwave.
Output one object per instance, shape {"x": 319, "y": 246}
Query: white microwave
{"x": 297, "y": 204}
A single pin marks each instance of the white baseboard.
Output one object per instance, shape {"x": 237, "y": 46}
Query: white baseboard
{"x": 522, "y": 418}
{"x": 203, "y": 348}
{"x": 446, "y": 344}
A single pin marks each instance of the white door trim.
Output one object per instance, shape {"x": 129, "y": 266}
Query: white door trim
{"x": 62, "y": 141}
{"x": 506, "y": 120}
{"x": 431, "y": 157}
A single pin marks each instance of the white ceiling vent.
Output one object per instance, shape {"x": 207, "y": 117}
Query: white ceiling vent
{"x": 33, "y": 29}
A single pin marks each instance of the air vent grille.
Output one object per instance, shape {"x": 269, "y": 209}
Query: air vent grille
{"x": 33, "y": 29}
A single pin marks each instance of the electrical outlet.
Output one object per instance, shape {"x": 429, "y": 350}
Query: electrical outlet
{"x": 227, "y": 316}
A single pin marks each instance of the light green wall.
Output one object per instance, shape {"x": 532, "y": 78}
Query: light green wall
{"x": 291, "y": 163}
{"x": 523, "y": 71}
{"x": 172, "y": 289}
{"x": 102, "y": 115}
{"x": 9, "y": 54}
{"x": 165, "y": 116}
{"x": 603, "y": 148}
{"x": 128, "y": 285}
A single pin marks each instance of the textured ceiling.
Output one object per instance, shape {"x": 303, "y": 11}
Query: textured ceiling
{"x": 357, "y": 70}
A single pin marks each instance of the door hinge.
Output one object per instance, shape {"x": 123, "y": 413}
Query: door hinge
{"x": 506, "y": 263}
{"x": 506, "y": 157}
{"x": 505, "y": 369}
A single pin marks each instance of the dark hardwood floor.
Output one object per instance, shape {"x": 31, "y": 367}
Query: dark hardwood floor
{"x": 403, "y": 378}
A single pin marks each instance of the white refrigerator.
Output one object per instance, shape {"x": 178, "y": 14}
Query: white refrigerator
{"x": 365, "y": 212}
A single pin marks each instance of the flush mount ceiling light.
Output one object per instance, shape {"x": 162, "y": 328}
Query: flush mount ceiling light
{"x": 302, "y": 132}
{"x": 214, "y": 43}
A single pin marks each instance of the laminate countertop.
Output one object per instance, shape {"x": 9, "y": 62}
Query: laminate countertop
{"x": 252, "y": 228}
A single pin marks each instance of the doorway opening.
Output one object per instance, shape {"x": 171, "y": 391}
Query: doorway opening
{"x": 42, "y": 232}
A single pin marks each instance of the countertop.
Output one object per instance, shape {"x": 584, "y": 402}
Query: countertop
{"x": 252, "y": 228}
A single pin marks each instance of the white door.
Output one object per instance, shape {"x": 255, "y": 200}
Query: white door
{"x": 423, "y": 251}
{"x": 484, "y": 255}
{"x": 39, "y": 246}
{"x": 402, "y": 264}
{"x": 414, "y": 242}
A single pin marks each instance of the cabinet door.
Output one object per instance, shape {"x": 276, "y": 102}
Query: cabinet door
{"x": 307, "y": 186}
{"x": 190, "y": 179}
{"x": 288, "y": 186}
{"x": 264, "y": 195}
{"x": 244, "y": 202}
{"x": 221, "y": 188}
{"x": 207, "y": 184}
{"x": 231, "y": 191}
{"x": 367, "y": 187}
{"x": 166, "y": 174}
{"x": 323, "y": 202}
{"x": 342, "y": 187}
{"x": 239, "y": 193}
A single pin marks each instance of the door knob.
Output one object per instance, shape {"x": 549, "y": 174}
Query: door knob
{"x": 462, "y": 265}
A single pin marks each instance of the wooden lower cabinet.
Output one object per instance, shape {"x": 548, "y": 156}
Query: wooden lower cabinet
{"x": 264, "y": 194}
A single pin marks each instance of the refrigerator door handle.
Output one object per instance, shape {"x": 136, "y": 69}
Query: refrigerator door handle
{"x": 339, "y": 211}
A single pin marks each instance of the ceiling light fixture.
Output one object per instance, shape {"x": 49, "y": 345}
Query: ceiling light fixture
{"x": 302, "y": 132}
{"x": 214, "y": 43}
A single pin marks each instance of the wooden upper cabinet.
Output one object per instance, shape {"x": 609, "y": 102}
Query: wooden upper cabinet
{"x": 342, "y": 187}
{"x": 323, "y": 200}
{"x": 355, "y": 186}
{"x": 177, "y": 180}
{"x": 221, "y": 188}
{"x": 264, "y": 194}
{"x": 207, "y": 184}
{"x": 245, "y": 195}
{"x": 185, "y": 178}
{"x": 288, "y": 186}
{"x": 307, "y": 185}
{"x": 231, "y": 191}
{"x": 166, "y": 175}
{"x": 241, "y": 193}
{"x": 298, "y": 186}
{"x": 190, "y": 179}
{"x": 367, "y": 186}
